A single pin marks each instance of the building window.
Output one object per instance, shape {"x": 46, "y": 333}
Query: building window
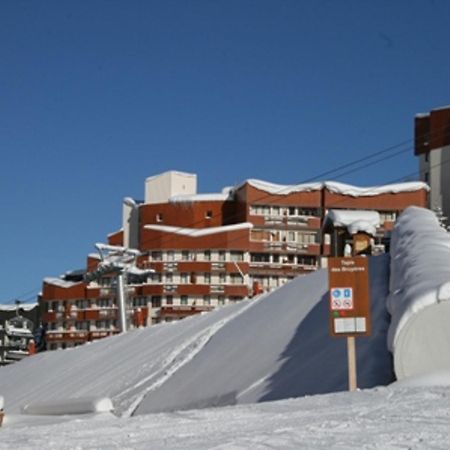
{"x": 207, "y": 255}
{"x": 157, "y": 256}
{"x": 222, "y": 278}
{"x": 207, "y": 277}
{"x": 208, "y": 214}
{"x": 221, "y": 255}
{"x": 236, "y": 278}
{"x": 156, "y": 301}
{"x": 169, "y": 300}
{"x": 221, "y": 300}
{"x": 206, "y": 300}
{"x": 184, "y": 277}
{"x": 159, "y": 217}
{"x": 170, "y": 255}
{"x": 169, "y": 277}
{"x": 184, "y": 300}
{"x": 237, "y": 256}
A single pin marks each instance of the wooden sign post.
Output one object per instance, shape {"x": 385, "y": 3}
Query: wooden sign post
{"x": 349, "y": 305}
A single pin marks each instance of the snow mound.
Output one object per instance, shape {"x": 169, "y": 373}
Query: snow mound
{"x": 419, "y": 333}
{"x": 438, "y": 378}
{"x": 271, "y": 348}
{"x": 69, "y": 406}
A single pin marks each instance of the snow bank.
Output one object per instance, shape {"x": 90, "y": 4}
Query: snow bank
{"x": 69, "y": 406}
{"x": 419, "y": 333}
{"x": 354, "y": 220}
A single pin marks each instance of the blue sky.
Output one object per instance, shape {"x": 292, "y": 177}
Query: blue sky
{"x": 95, "y": 96}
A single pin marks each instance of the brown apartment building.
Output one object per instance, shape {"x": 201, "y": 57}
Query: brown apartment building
{"x": 208, "y": 250}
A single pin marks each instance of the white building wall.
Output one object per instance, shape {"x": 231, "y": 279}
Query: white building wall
{"x": 159, "y": 188}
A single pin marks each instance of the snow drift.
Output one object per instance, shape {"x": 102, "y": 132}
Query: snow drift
{"x": 419, "y": 333}
{"x": 274, "y": 347}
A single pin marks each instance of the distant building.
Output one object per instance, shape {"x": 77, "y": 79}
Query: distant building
{"x": 208, "y": 250}
{"x": 432, "y": 146}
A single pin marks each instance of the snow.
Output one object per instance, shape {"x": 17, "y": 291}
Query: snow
{"x": 260, "y": 374}
{"x": 197, "y": 232}
{"x": 13, "y": 307}
{"x": 336, "y": 187}
{"x": 354, "y": 220}
{"x": 280, "y": 189}
{"x": 354, "y": 191}
{"x": 419, "y": 292}
{"x": 60, "y": 282}
{"x": 69, "y": 406}
{"x": 215, "y": 197}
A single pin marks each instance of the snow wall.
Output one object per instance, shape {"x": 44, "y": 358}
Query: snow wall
{"x": 418, "y": 301}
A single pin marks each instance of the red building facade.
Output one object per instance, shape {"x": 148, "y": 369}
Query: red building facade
{"x": 208, "y": 250}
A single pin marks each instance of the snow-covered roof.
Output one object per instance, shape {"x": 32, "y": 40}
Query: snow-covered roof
{"x": 354, "y": 220}
{"x": 94, "y": 256}
{"x": 60, "y": 282}
{"x": 198, "y": 232}
{"x": 336, "y": 187}
{"x": 370, "y": 191}
{"x": 199, "y": 198}
{"x": 280, "y": 189}
{"x": 120, "y": 230}
{"x": 24, "y": 306}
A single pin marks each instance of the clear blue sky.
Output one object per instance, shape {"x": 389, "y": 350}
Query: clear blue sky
{"x": 97, "y": 95}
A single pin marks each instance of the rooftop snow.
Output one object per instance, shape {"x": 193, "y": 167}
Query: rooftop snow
{"x": 59, "y": 282}
{"x": 336, "y": 187}
{"x": 24, "y": 306}
{"x": 174, "y": 172}
{"x": 196, "y": 232}
{"x": 281, "y": 189}
{"x": 199, "y": 198}
{"x": 355, "y": 191}
{"x": 354, "y": 220}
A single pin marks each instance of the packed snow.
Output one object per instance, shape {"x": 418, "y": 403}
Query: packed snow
{"x": 419, "y": 333}
{"x": 249, "y": 375}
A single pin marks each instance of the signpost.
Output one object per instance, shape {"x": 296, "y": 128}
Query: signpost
{"x": 349, "y": 304}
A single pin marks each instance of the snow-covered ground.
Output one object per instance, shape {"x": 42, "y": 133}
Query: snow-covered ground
{"x": 380, "y": 418}
{"x": 248, "y": 375}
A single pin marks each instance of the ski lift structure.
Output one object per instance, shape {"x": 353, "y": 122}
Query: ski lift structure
{"x": 117, "y": 261}
{"x": 16, "y": 338}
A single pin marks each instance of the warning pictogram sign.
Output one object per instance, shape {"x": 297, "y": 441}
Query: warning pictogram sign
{"x": 341, "y": 298}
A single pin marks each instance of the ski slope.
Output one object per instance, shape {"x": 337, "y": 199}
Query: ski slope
{"x": 271, "y": 348}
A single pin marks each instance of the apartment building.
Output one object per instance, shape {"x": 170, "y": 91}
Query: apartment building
{"x": 432, "y": 147}
{"x": 201, "y": 251}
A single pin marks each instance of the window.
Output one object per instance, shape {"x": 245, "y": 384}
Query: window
{"x": 157, "y": 256}
{"x": 237, "y": 256}
{"x": 292, "y": 211}
{"x": 170, "y": 255}
{"x": 208, "y": 214}
{"x": 260, "y": 257}
{"x": 221, "y": 255}
{"x": 156, "y": 301}
{"x": 184, "y": 277}
{"x": 169, "y": 300}
{"x": 276, "y": 210}
{"x": 236, "y": 278}
{"x": 206, "y": 300}
{"x": 222, "y": 278}
{"x": 207, "y": 277}
{"x": 184, "y": 300}
{"x": 169, "y": 277}
{"x": 207, "y": 255}
{"x": 221, "y": 300}
{"x": 159, "y": 217}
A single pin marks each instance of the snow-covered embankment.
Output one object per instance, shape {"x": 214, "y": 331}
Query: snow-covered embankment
{"x": 419, "y": 334}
